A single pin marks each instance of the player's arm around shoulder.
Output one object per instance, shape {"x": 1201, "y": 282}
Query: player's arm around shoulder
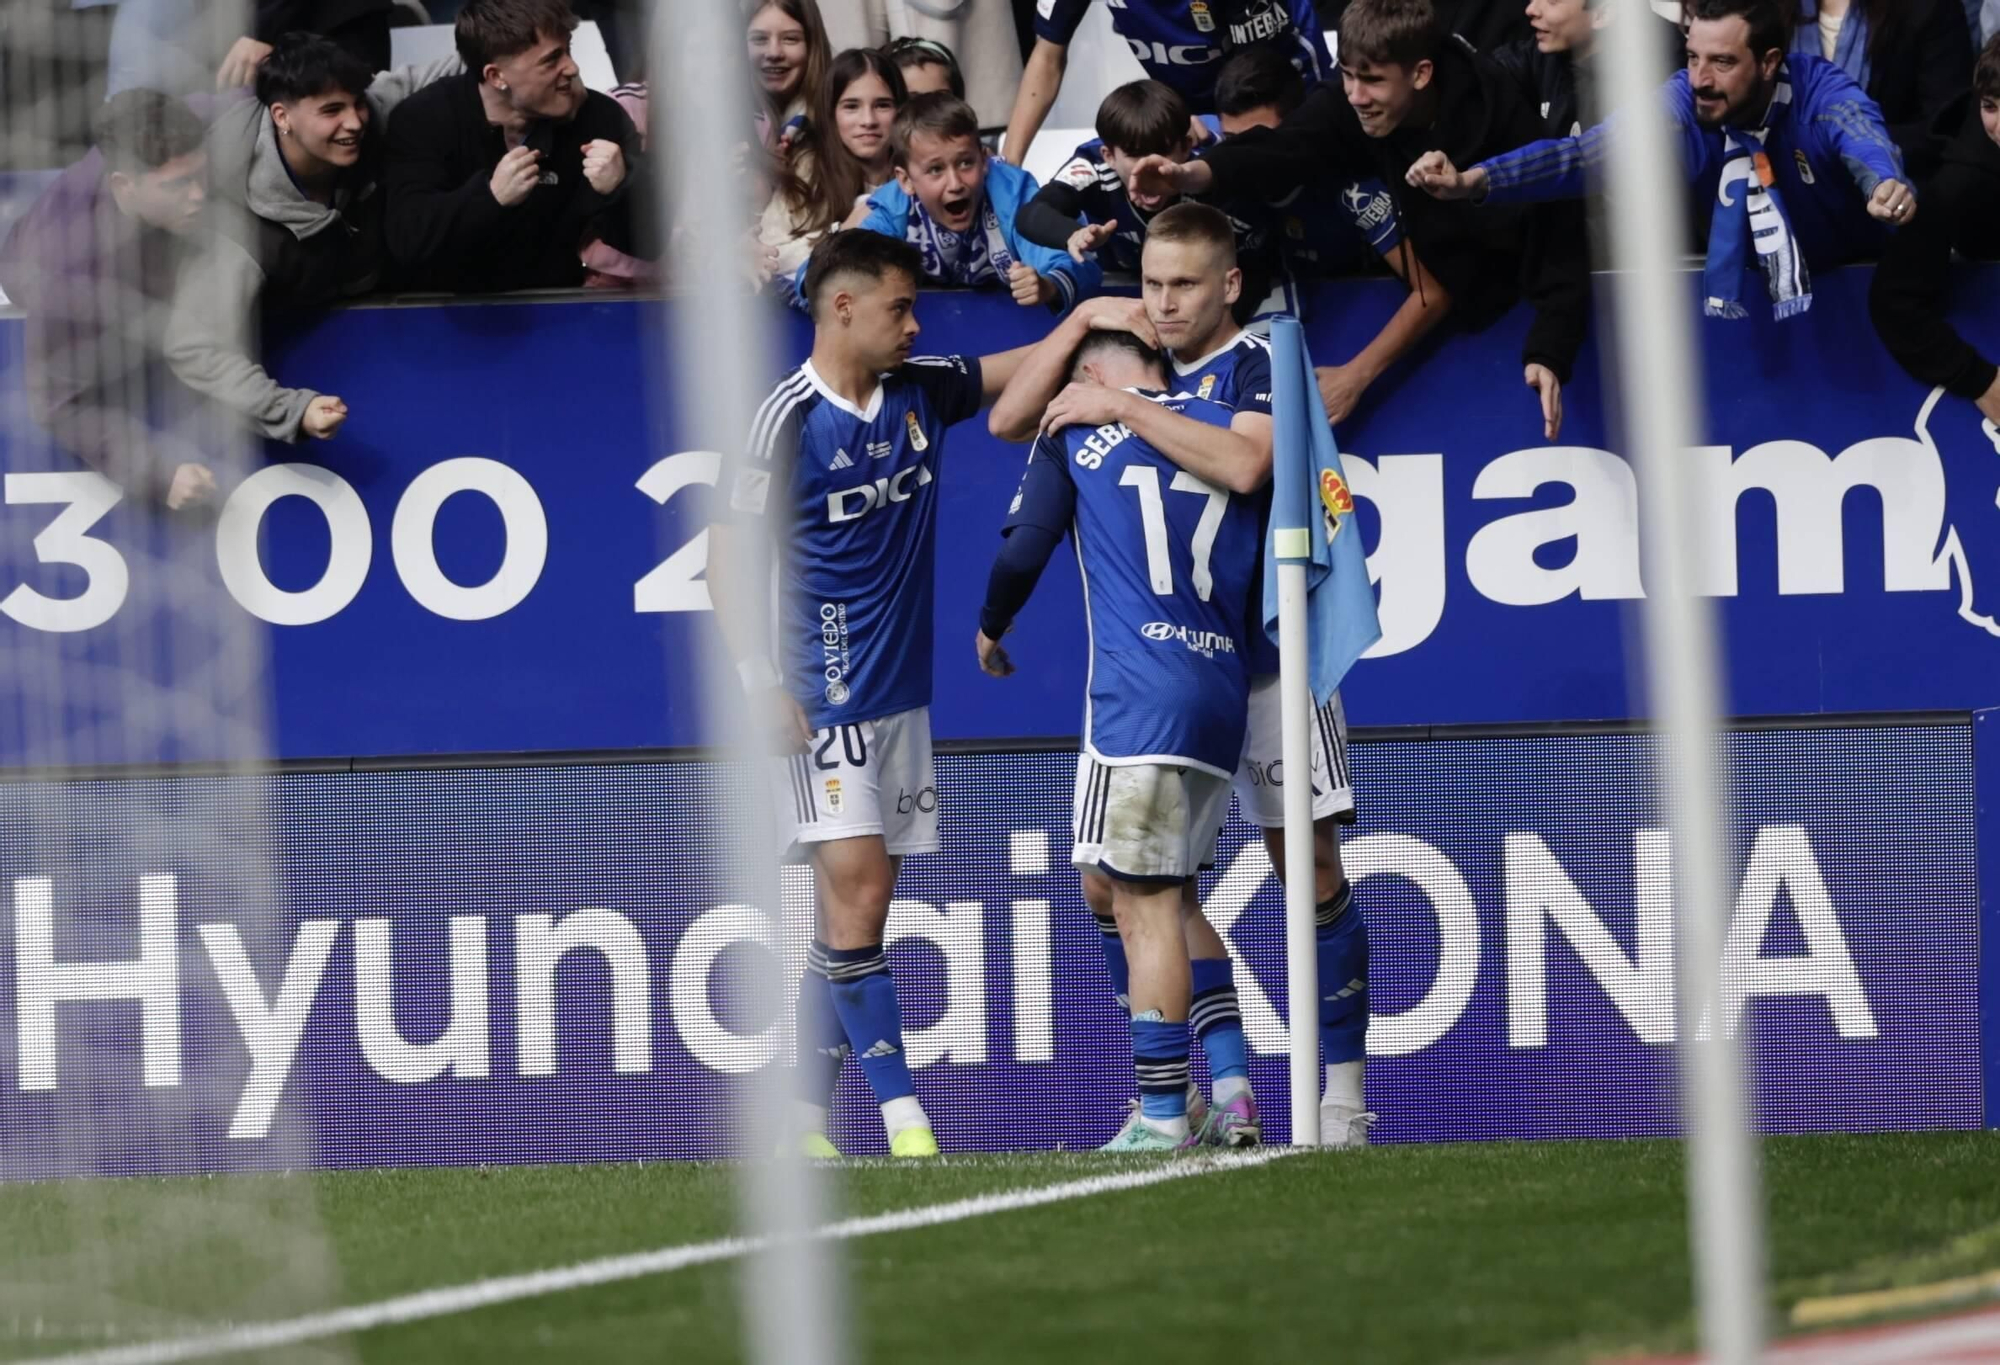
{"x": 1237, "y": 460}
{"x": 1038, "y": 373}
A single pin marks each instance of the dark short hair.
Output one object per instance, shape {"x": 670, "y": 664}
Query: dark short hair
{"x": 1143, "y": 118}
{"x": 935, "y": 114}
{"x": 487, "y": 30}
{"x": 1770, "y": 22}
{"x": 1986, "y": 72}
{"x": 870, "y": 255}
{"x": 1191, "y": 222}
{"x": 909, "y": 51}
{"x": 302, "y": 65}
{"x": 1390, "y": 32}
{"x": 1256, "y": 77}
{"x": 142, "y": 130}
{"x": 1097, "y": 343}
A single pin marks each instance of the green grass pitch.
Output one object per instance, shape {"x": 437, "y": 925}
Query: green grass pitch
{"x": 1528, "y": 1252}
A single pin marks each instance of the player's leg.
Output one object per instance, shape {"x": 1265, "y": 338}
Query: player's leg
{"x": 1149, "y": 920}
{"x": 1097, "y": 894}
{"x": 1341, "y": 933}
{"x": 873, "y": 798}
{"x": 857, "y": 878}
{"x": 1217, "y": 1021}
{"x": 1149, "y": 828}
{"x": 1340, "y": 936}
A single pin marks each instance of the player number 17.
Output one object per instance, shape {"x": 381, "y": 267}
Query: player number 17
{"x": 1153, "y": 512}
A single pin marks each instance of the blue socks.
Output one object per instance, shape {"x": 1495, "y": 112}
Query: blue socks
{"x": 864, "y": 996}
{"x": 1160, "y": 1060}
{"x": 822, "y": 1041}
{"x": 1342, "y": 936}
{"x": 1218, "y": 1024}
{"x": 1114, "y": 960}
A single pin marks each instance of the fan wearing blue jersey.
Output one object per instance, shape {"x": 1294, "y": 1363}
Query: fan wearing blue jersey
{"x": 841, "y": 469}
{"x": 1178, "y": 43}
{"x": 1088, "y": 211}
{"x": 1168, "y": 563}
{"x": 1190, "y": 282}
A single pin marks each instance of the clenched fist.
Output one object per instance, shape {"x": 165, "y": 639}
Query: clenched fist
{"x": 603, "y": 165}
{"x": 323, "y": 416}
{"x": 516, "y": 176}
{"x": 1029, "y": 288}
{"x": 192, "y": 484}
{"x": 1893, "y": 202}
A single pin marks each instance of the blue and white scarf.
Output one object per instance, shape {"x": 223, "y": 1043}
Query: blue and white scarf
{"x": 980, "y": 256}
{"x": 1753, "y": 219}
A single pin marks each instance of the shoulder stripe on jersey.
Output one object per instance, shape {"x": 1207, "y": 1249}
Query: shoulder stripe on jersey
{"x": 949, "y": 362}
{"x": 786, "y": 389}
{"x": 771, "y": 416}
{"x": 1262, "y": 343}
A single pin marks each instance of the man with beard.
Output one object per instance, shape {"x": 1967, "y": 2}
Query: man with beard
{"x": 1786, "y": 145}
{"x": 498, "y": 176}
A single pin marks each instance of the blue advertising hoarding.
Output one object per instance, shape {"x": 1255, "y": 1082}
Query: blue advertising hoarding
{"x": 529, "y": 964}
{"x": 503, "y": 548}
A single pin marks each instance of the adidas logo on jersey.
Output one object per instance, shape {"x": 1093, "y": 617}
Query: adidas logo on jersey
{"x": 882, "y": 1048}
{"x": 841, "y": 460}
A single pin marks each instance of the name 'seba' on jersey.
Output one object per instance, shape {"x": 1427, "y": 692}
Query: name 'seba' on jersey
{"x": 1180, "y": 42}
{"x": 855, "y": 521}
{"x": 1168, "y": 565}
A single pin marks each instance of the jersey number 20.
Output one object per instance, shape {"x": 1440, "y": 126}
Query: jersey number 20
{"x": 1153, "y": 512}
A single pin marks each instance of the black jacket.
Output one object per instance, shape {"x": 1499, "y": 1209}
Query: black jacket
{"x": 1958, "y": 209}
{"x": 1561, "y": 85}
{"x": 1486, "y": 257}
{"x": 444, "y": 229}
{"x": 1923, "y": 65}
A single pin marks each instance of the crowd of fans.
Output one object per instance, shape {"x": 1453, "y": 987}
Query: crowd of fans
{"x": 1453, "y": 145}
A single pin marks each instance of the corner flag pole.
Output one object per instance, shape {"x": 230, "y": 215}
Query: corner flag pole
{"x": 1661, "y": 394}
{"x": 1291, "y": 543}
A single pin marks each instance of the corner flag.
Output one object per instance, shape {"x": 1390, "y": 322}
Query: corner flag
{"x": 1312, "y": 521}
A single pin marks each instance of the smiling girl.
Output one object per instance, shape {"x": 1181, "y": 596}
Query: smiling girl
{"x": 789, "y": 57}
{"x": 843, "y": 155}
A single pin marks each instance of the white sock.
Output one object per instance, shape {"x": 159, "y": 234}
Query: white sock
{"x": 904, "y": 1113}
{"x": 1173, "y": 1128}
{"x": 810, "y": 1117}
{"x": 1228, "y": 1088}
{"x": 1343, "y": 1085}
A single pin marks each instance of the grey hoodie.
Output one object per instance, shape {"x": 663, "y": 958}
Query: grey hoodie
{"x": 270, "y": 237}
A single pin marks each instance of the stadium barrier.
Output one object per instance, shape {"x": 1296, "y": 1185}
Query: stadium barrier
{"x": 508, "y": 945}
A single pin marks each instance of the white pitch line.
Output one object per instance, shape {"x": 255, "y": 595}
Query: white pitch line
{"x": 435, "y": 1303}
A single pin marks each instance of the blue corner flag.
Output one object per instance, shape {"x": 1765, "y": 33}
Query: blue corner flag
{"x": 1312, "y": 520}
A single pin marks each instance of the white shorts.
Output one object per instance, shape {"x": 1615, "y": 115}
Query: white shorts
{"x": 866, "y": 777}
{"x": 1260, "y": 780}
{"x": 1146, "y": 821}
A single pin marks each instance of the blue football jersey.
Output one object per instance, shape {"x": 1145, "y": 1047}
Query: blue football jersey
{"x": 1239, "y": 376}
{"x": 1168, "y": 564}
{"x": 1100, "y": 197}
{"x": 850, "y": 499}
{"x": 1182, "y": 43}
